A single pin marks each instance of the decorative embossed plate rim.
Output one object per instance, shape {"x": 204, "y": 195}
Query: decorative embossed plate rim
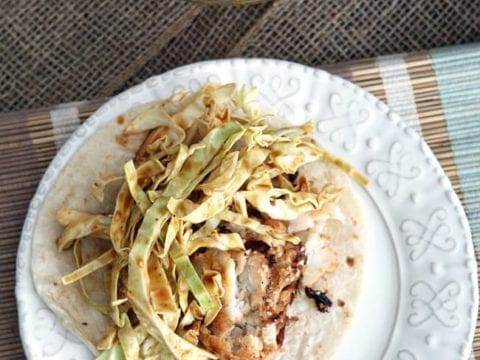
{"x": 433, "y": 265}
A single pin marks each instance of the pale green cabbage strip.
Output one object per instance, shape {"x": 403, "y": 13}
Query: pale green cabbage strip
{"x": 209, "y": 172}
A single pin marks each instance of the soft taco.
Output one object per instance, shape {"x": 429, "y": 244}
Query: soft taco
{"x": 196, "y": 228}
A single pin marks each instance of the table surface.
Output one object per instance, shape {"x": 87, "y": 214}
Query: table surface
{"x": 54, "y": 51}
{"x": 433, "y": 91}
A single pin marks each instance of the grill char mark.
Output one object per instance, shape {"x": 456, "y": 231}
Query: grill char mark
{"x": 321, "y": 299}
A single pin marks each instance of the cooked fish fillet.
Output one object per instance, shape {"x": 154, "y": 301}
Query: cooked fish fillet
{"x": 252, "y": 322}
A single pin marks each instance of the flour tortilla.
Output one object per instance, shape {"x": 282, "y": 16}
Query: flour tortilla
{"x": 99, "y": 155}
{"x": 341, "y": 233}
{"x": 314, "y": 335}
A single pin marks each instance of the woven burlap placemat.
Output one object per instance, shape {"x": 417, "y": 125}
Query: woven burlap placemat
{"x": 54, "y": 51}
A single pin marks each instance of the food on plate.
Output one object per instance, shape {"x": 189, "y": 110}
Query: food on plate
{"x": 208, "y": 231}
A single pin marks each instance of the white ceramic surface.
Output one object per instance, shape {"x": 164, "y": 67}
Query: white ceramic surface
{"x": 420, "y": 291}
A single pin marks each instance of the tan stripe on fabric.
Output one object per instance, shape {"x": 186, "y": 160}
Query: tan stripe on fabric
{"x": 41, "y": 144}
{"x": 87, "y": 108}
{"x": 364, "y": 73}
{"x": 40, "y": 128}
{"x": 430, "y": 113}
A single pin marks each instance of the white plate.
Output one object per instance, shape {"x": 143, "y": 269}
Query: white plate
{"x": 420, "y": 292}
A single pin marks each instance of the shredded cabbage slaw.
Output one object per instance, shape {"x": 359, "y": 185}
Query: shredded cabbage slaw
{"x": 209, "y": 158}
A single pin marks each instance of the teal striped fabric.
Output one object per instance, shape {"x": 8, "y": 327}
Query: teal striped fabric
{"x": 457, "y": 71}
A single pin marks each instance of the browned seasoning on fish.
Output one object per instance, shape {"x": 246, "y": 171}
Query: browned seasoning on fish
{"x": 285, "y": 264}
{"x": 276, "y": 273}
{"x": 321, "y": 299}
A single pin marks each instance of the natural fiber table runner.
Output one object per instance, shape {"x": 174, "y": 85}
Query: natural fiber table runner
{"x": 436, "y": 92}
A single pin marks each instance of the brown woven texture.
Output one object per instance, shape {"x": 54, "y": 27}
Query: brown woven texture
{"x": 214, "y": 34}
{"x": 54, "y": 51}
{"x": 319, "y": 32}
